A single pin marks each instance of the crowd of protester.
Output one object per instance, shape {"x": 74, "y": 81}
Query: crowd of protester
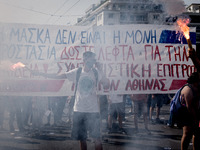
{"x": 84, "y": 112}
{"x": 34, "y": 113}
{"x": 25, "y": 112}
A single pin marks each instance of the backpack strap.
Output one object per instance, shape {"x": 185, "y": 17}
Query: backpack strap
{"x": 78, "y": 74}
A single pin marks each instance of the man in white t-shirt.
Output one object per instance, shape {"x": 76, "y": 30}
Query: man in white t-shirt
{"x": 86, "y": 115}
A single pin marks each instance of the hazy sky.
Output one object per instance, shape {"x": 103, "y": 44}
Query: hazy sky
{"x": 54, "y": 12}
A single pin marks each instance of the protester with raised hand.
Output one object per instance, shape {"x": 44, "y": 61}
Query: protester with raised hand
{"x": 86, "y": 115}
{"x": 190, "y": 120}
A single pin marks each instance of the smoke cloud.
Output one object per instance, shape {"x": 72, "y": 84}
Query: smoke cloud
{"x": 172, "y": 7}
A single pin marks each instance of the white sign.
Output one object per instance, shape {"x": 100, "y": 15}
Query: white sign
{"x": 135, "y": 58}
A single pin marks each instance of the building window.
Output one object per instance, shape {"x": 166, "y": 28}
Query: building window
{"x": 122, "y": 6}
{"x": 148, "y": 7}
{"x": 135, "y": 7}
{"x": 114, "y": 7}
{"x": 110, "y": 15}
{"x": 141, "y": 18}
{"x": 155, "y": 17}
{"x": 122, "y": 16}
{"x": 132, "y": 18}
{"x": 142, "y": 7}
{"x": 158, "y": 7}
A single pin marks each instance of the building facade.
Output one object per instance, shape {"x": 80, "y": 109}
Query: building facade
{"x": 193, "y": 11}
{"x": 114, "y": 12}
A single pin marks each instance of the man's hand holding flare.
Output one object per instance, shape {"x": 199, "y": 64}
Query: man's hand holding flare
{"x": 192, "y": 54}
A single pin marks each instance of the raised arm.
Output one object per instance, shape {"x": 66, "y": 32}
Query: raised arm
{"x": 48, "y": 75}
{"x": 193, "y": 55}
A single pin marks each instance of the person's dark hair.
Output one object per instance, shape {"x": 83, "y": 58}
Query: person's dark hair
{"x": 88, "y": 54}
{"x": 194, "y": 77}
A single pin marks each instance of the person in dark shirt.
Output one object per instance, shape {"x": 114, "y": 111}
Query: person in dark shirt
{"x": 190, "y": 121}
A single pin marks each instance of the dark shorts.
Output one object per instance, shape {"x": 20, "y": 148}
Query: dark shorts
{"x": 158, "y": 101}
{"x": 83, "y": 122}
{"x": 116, "y": 107}
{"x": 185, "y": 118}
{"x": 140, "y": 105}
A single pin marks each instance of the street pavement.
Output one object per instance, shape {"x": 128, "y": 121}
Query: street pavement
{"x": 58, "y": 138}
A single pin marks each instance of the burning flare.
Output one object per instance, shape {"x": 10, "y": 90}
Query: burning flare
{"x": 17, "y": 65}
{"x": 185, "y": 29}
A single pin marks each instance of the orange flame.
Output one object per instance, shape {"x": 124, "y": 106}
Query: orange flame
{"x": 183, "y": 26}
{"x": 17, "y": 65}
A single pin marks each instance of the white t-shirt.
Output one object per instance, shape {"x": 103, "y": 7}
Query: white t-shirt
{"x": 116, "y": 98}
{"x": 86, "y": 95}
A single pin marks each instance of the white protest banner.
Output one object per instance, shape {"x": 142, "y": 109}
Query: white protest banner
{"x": 135, "y": 58}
